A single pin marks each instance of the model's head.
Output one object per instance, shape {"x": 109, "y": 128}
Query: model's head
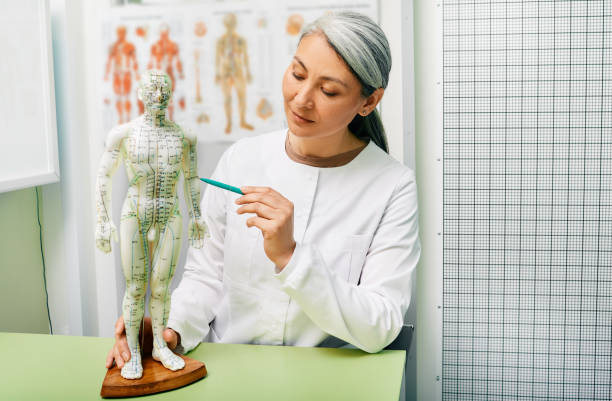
{"x": 121, "y": 32}
{"x": 229, "y": 20}
{"x": 164, "y": 31}
{"x": 155, "y": 89}
{"x": 337, "y": 77}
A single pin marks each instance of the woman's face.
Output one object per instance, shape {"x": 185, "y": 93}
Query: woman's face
{"x": 321, "y": 95}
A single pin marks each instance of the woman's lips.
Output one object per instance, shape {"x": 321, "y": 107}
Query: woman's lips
{"x": 299, "y": 118}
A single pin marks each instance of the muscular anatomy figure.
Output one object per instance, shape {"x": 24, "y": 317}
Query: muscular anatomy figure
{"x": 155, "y": 151}
{"x": 232, "y": 70}
{"x": 122, "y": 61}
{"x": 165, "y": 57}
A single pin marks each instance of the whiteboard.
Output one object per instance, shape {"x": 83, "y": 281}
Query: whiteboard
{"x": 28, "y": 131}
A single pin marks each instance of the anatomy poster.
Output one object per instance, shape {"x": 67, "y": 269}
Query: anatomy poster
{"x": 233, "y": 93}
{"x": 297, "y": 14}
{"x": 225, "y": 60}
{"x": 132, "y": 44}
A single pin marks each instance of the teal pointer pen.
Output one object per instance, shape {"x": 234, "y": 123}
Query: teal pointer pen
{"x": 222, "y": 185}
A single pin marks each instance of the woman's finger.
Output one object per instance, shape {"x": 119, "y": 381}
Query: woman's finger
{"x": 118, "y": 359}
{"x": 262, "y": 198}
{"x": 170, "y": 337}
{"x": 265, "y": 195}
{"x": 259, "y": 209}
{"x": 110, "y": 359}
{"x": 266, "y": 226}
{"x": 123, "y": 348}
{"x": 119, "y": 328}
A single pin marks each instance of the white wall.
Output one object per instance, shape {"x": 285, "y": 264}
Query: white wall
{"x": 428, "y": 91}
{"x": 65, "y": 205}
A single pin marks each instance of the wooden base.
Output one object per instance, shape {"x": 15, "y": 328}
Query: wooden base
{"x": 155, "y": 379}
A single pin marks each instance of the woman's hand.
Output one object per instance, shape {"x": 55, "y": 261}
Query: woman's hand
{"x": 120, "y": 353}
{"x": 274, "y": 217}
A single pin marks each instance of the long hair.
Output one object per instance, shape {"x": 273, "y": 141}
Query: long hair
{"x": 363, "y": 46}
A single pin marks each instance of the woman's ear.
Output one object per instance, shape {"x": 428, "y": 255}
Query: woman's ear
{"x": 372, "y": 101}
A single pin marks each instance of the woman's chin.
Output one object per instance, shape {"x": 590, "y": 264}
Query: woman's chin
{"x": 300, "y": 130}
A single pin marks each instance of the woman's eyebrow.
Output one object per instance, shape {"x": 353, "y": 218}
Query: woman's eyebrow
{"x": 325, "y": 78}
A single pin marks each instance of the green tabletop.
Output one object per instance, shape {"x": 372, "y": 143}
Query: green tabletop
{"x": 44, "y": 367}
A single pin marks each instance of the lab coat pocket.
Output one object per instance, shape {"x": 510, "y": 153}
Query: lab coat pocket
{"x": 359, "y": 245}
{"x": 239, "y": 245}
{"x": 345, "y": 255}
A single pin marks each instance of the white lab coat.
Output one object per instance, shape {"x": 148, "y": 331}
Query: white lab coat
{"x": 350, "y": 275}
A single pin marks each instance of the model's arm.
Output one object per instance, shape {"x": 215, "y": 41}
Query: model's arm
{"x": 218, "y": 51}
{"x": 245, "y": 52}
{"x": 179, "y": 65}
{"x": 195, "y": 299}
{"x": 369, "y": 315}
{"x": 111, "y": 56}
{"x": 105, "y": 229}
{"x": 197, "y": 226}
{"x": 134, "y": 60}
{"x": 151, "y": 56}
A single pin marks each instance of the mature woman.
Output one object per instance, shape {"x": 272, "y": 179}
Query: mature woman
{"x": 324, "y": 242}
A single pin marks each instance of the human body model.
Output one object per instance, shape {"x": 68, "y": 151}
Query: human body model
{"x": 122, "y": 61}
{"x": 232, "y": 70}
{"x": 165, "y": 57}
{"x": 155, "y": 151}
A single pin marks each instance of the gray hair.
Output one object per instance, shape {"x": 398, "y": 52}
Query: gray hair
{"x": 363, "y": 46}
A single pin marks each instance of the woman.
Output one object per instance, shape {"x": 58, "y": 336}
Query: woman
{"x": 325, "y": 239}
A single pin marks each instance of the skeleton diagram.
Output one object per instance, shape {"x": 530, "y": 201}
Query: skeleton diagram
{"x": 165, "y": 57}
{"x": 155, "y": 151}
{"x": 232, "y": 70}
{"x": 122, "y": 61}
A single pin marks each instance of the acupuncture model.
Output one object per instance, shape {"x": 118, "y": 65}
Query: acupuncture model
{"x": 154, "y": 151}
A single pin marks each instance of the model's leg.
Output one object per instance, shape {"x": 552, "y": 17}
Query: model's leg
{"x": 171, "y": 111}
{"x": 119, "y": 106}
{"x": 241, "y": 93}
{"x": 170, "y": 73}
{"x": 127, "y": 87}
{"x": 164, "y": 262}
{"x": 128, "y": 109}
{"x": 134, "y": 260}
{"x": 119, "y": 96}
{"x": 226, "y": 87}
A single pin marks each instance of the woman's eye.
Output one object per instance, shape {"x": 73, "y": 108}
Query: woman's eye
{"x": 298, "y": 77}
{"x": 328, "y": 93}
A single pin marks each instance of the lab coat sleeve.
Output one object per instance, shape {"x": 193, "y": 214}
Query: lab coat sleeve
{"x": 369, "y": 315}
{"x": 194, "y": 301}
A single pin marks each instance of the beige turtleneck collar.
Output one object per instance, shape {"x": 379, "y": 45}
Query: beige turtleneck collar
{"x": 330, "y": 161}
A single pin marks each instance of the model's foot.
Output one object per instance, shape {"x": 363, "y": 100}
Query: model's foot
{"x": 246, "y": 126}
{"x": 132, "y": 368}
{"x": 228, "y": 128}
{"x": 168, "y": 358}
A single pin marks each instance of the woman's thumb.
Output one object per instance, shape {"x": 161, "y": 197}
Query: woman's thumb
{"x": 171, "y": 338}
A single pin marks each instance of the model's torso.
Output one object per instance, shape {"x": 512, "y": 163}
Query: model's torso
{"x": 123, "y": 57}
{"x": 163, "y": 53}
{"x": 153, "y": 159}
{"x": 231, "y": 52}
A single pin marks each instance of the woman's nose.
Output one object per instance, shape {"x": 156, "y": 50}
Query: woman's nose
{"x": 303, "y": 97}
